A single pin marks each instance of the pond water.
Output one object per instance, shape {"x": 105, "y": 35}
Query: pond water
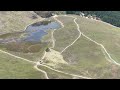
{"x": 33, "y": 32}
{"x": 36, "y": 32}
{"x": 28, "y": 40}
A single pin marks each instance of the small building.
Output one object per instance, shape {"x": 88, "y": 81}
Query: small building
{"x": 82, "y": 14}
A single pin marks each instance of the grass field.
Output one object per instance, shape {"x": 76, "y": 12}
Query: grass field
{"x": 12, "y": 68}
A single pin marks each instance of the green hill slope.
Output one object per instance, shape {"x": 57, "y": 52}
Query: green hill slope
{"x": 85, "y": 57}
{"x": 103, "y": 33}
{"x": 13, "y": 21}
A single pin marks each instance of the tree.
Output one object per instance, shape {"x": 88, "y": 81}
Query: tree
{"x": 47, "y": 50}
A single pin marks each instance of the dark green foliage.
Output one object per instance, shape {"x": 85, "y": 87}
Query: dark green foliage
{"x": 112, "y": 17}
{"x": 41, "y": 23}
{"x": 73, "y": 12}
{"x": 47, "y": 50}
{"x": 44, "y": 14}
{"x": 47, "y": 14}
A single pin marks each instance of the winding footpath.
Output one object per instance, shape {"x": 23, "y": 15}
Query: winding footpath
{"x": 105, "y": 51}
{"x": 65, "y": 72}
{"x": 62, "y": 26}
{"x": 17, "y": 57}
{"x": 76, "y": 38}
{"x": 53, "y": 39}
{"x": 45, "y": 65}
{"x": 46, "y": 76}
{"x": 38, "y": 63}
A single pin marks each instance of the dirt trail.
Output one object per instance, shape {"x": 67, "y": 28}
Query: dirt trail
{"x": 17, "y": 57}
{"x": 105, "y": 51}
{"x": 76, "y": 38}
{"x": 65, "y": 72}
{"x": 46, "y": 76}
{"x": 53, "y": 39}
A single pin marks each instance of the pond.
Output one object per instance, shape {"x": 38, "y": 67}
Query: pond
{"x": 33, "y": 32}
{"x": 36, "y": 32}
{"x": 30, "y": 39}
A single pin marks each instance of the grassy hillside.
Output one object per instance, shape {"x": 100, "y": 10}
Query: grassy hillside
{"x": 105, "y": 34}
{"x": 65, "y": 35}
{"x": 85, "y": 57}
{"x": 13, "y": 21}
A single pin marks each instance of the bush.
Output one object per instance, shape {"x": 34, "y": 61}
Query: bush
{"x": 47, "y": 50}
